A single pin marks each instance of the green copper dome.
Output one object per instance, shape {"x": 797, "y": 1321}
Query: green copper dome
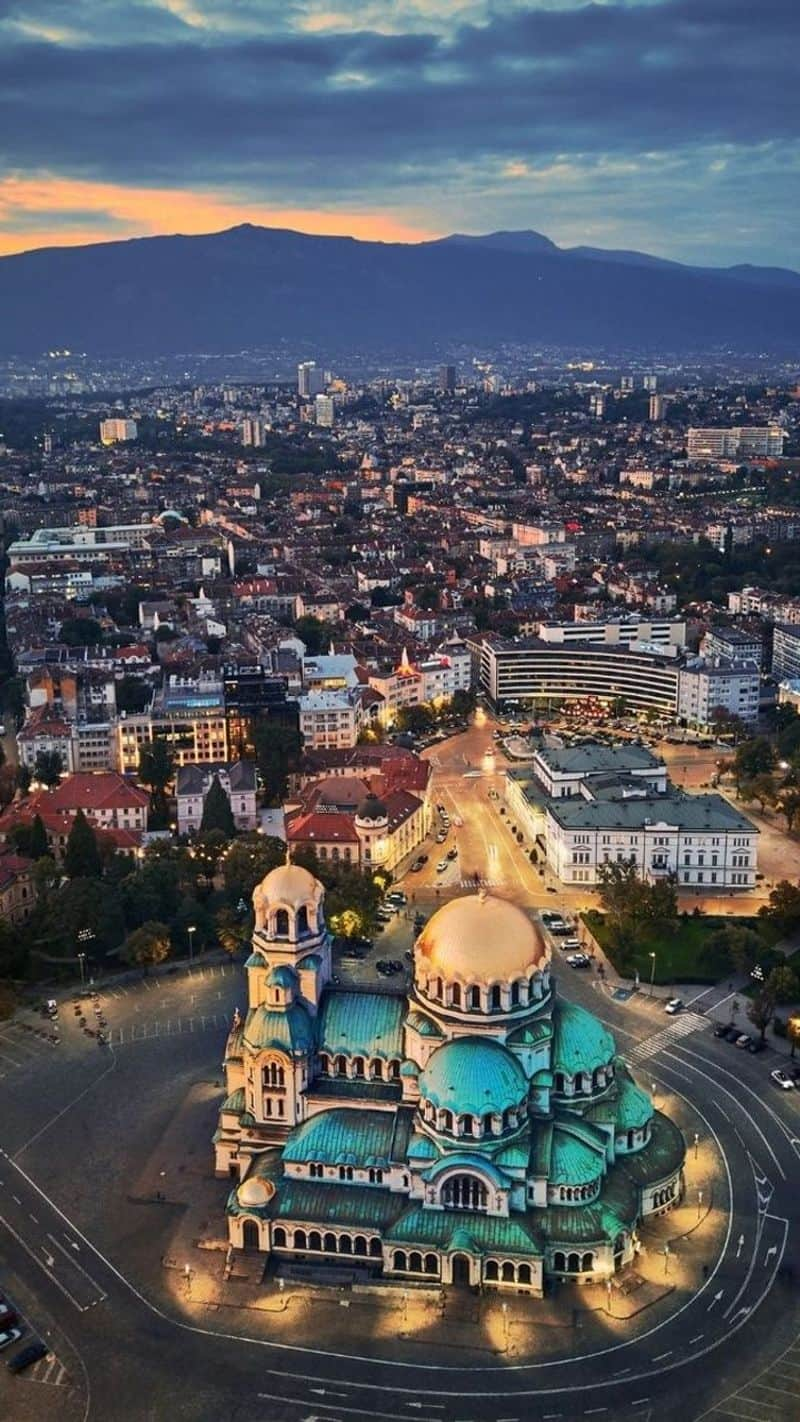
{"x": 580, "y": 1042}
{"x": 473, "y": 1075}
{"x": 285, "y": 1030}
{"x": 634, "y": 1107}
{"x": 572, "y": 1161}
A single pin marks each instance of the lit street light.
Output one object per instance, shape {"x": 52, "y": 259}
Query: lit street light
{"x": 191, "y": 930}
{"x": 652, "y": 957}
{"x": 696, "y": 1143}
{"x": 699, "y": 1202}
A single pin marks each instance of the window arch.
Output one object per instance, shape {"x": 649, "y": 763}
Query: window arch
{"x": 340, "y": 1066}
{"x": 375, "y": 1248}
{"x": 376, "y": 1069}
{"x": 431, "y": 1264}
{"x": 279, "y": 1237}
{"x": 455, "y": 995}
{"x": 302, "y": 919}
{"x": 274, "y": 1074}
{"x": 399, "y": 1260}
{"x": 359, "y": 1244}
{"x": 573, "y": 1263}
{"x": 358, "y": 1068}
{"x": 474, "y": 998}
{"x": 558, "y": 1082}
{"x": 488, "y": 1124}
{"x": 415, "y": 1262}
{"x": 468, "y": 1125}
{"x": 491, "y": 1270}
{"x": 559, "y": 1262}
{"x": 315, "y": 1240}
{"x": 524, "y": 1274}
{"x": 329, "y": 1244}
{"x": 250, "y": 1235}
{"x": 515, "y": 994}
{"x": 464, "y": 1192}
{"x": 447, "y": 1120}
{"x": 394, "y": 1071}
{"x": 345, "y": 1244}
{"x": 282, "y": 923}
{"x": 495, "y": 1000}
{"x": 324, "y": 1063}
{"x": 300, "y": 1239}
{"x": 507, "y": 1273}
{"x": 587, "y": 1263}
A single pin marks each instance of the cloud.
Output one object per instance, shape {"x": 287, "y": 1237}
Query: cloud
{"x": 446, "y": 112}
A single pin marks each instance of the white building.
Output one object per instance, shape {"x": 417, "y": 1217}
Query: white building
{"x": 330, "y": 718}
{"x": 116, "y": 431}
{"x": 738, "y": 442}
{"x": 325, "y": 411}
{"x": 786, "y": 653}
{"x": 706, "y": 686}
{"x": 636, "y": 632}
{"x": 252, "y": 433}
{"x": 193, "y": 782}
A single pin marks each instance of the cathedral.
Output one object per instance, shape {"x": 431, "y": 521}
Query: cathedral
{"x": 479, "y": 1130}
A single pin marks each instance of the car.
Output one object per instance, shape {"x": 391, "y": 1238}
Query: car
{"x": 570, "y": 945}
{"x": 559, "y": 930}
{"x": 397, "y": 897}
{"x": 423, "y": 858}
{"x": 743, "y": 1040}
{"x": 756, "y": 1044}
{"x": 720, "y": 1029}
{"x": 9, "y": 1336}
{"x": 451, "y": 854}
{"x": 674, "y": 1005}
{"x": 782, "y": 1079}
{"x": 441, "y": 866}
{"x": 416, "y": 866}
{"x": 441, "y": 836}
{"x": 8, "y": 1315}
{"x": 579, "y": 960}
{"x": 550, "y": 889}
{"x": 731, "y": 1033}
{"x": 28, "y": 1355}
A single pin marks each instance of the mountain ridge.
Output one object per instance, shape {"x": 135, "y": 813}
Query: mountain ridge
{"x": 249, "y": 286}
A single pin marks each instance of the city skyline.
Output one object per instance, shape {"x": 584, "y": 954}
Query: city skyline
{"x": 593, "y": 123}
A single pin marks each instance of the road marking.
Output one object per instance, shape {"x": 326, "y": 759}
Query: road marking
{"x": 336, "y": 1407}
{"x": 696, "y": 1339}
{"x": 661, "y": 1356}
{"x": 42, "y": 1265}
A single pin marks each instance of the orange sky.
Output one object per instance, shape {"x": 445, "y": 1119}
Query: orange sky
{"x": 34, "y": 202}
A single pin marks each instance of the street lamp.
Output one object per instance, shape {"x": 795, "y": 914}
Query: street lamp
{"x": 191, "y": 930}
{"x": 699, "y": 1202}
{"x": 85, "y": 935}
{"x": 666, "y": 1259}
{"x": 696, "y": 1143}
{"x": 652, "y": 958}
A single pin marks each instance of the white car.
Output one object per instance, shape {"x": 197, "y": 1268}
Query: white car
{"x": 441, "y": 866}
{"x": 674, "y": 1005}
{"x": 10, "y": 1336}
{"x": 782, "y": 1080}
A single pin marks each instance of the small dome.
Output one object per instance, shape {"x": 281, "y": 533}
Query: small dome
{"x": 580, "y": 1041}
{"x": 256, "y": 961}
{"x": 284, "y": 976}
{"x": 280, "y": 1029}
{"x": 480, "y": 939}
{"x": 473, "y": 1075}
{"x": 290, "y": 885}
{"x": 255, "y": 1192}
{"x": 371, "y": 808}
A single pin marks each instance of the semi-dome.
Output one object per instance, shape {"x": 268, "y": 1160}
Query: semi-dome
{"x": 255, "y": 1192}
{"x": 279, "y": 1029}
{"x": 473, "y": 1075}
{"x": 371, "y": 808}
{"x": 580, "y": 1042}
{"x": 480, "y": 938}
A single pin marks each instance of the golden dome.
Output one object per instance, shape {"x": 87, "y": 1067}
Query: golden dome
{"x": 254, "y": 1192}
{"x": 480, "y": 939}
{"x": 290, "y": 885}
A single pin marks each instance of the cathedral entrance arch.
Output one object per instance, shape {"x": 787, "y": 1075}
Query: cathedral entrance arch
{"x": 461, "y": 1270}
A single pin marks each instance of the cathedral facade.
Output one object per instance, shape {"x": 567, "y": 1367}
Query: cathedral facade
{"x": 478, "y": 1130}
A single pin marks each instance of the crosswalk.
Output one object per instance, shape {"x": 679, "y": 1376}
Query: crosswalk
{"x": 474, "y": 881}
{"x": 51, "y": 1371}
{"x": 681, "y": 1026}
{"x": 774, "y": 1396}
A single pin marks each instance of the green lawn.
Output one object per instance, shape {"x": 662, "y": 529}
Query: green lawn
{"x": 676, "y": 953}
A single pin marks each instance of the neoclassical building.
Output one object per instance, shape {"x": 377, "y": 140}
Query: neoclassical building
{"x": 480, "y": 1130}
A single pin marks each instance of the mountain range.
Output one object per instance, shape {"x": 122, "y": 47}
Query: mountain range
{"x": 250, "y": 287}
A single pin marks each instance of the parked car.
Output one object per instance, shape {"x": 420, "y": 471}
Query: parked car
{"x": 441, "y": 866}
{"x": 756, "y": 1044}
{"x": 782, "y": 1079}
{"x": 441, "y": 836}
{"x": 674, "y": 1005}
{"x": 731, "y": 1034}
{"x": 416, "y": 866}
{"x": 8, "y": 1315}
{"x": 579, "y": 960}
{"x": 570, "y": 945}
{"x": 720, "y": 1029}
{"x": 28, "y": 1355}
{"x": 452, "y": 854}
{"x": 743, "y": 1040}
{"x": 9, "y": 1336}
{"x": 396, "y": 896}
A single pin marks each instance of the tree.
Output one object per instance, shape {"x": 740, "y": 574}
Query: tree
{"x": 783, "y": 984}
{"x": 24, "y": 778}
{"x": 752, "y": 758}
{"x": 147, "y": 945}
{"x": 416, "y": 720}
{"x": 763, "y": 789}
{"x": 789, "y": 806}
{"x": 80, "y": 632}
{"x": 217, "y": 812}
{"x": 313, "y": 633}
{"x": 277, "y": 749}
{"x": 761, "y": 1009}
{"x": 463, "y": 703}
{"x": 82, "y": 856}
{"x": 39, "y": 844}
{"x": 784, "y": 907}
{"x": 48, "y": 768}
{"x": 156, "y": 769}
{"x": 248, "y": 860}
{"x": 234, "y": 929}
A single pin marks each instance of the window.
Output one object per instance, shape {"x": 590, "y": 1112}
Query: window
{"x": 464, "y": 1192}
{"x": 282, "y": 923}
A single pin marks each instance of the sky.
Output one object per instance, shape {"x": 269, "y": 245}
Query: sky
{"x": 669, "y": 126}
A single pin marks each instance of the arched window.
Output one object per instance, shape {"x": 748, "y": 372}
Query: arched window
{"x": 358, "y": 1067}
{"x": 375, "y": 1248}
{"x": 299, "y": 1239}
{"x": 415, "y": 1263}
{"x": 329, "y": 1244}
{"x": 495, "y": 1001}
{"x": 447, "y": 1120}
{"x": 507, "y": 1273}
{"x": 302, "y": 920}
{"x": 438, "y": 989}
{"x": 376, "y": 1069}
{"x": 250, "y": 1235}
{"x": 515, "y": 994}
{"x": 467, "y": 1125}
{"x": 587, "y": 1263}
{"x": 559, "y": 1262}
{"x": 282, "y": 923}
{"x": 573, "y": 1263}
{"x": 506, "y": 1120}
{"x": 491, "y": 1270}
{"x": 375, "y": 1175}
{"x": 345, "y": 1172}
{"x": 558, "y": 1082}
{"x": 324, "y": 1063}
{"x": 359, "y": 1244}
{"x": 524, "y": 1274}
{"x": 431, "y": 1264}
{"x": 274, "y": 1075}
{"x": 340, "y": 1066}
{"x": 464, "y": 1192}
{"x": 394, "y": 1071}
{"x": 456, "y": 994}
{"x": 532, "y": 987}
{"x": 345, "y": 1244}
{"x": 279, "y": 1237}
{"x": 399, "y": 1260}
{"x": 315, "y": 1240}
{"x": 629, "y": 1140}
{"x": 474, "y": 998}
{"x": 488, "y": 1124}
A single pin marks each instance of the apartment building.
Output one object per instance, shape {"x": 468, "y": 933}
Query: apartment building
{"x": 708, "y": 685}
{"x": 533, "y": 672}
{"x": 737, "y": 443}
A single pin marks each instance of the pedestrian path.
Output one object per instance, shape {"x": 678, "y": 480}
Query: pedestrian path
{"x": 474, "y": 881}
{"x": 774, "y": 1396}
{"x": 681, "y": 1026}
{"x": 171, "y": 1027}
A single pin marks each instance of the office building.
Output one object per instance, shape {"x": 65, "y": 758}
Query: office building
{"x": 310, "y": 380}
{"x": 325, "y": 411}
{"x": 531, "y": 672}
{"x": 733, "y": 644}
{"x": 786, "y": 652}
{"x": 739, "y": 442}
{"x": 447, "y": 378}
{"x": 116, "y": 431}
{"x": 667, "y": 633}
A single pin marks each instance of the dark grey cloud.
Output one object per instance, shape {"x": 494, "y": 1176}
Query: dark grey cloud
{"x": 305, "y": 118}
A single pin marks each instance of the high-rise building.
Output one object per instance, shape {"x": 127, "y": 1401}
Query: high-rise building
{"x": 252, "y": 433}
{"x": 741, "y": 440}
{"x": 325, "y": 411}
{"x": 650, "y": 382}
{"x": 597, "y": 405}
{"x": 310, "y": 380}
{"x": 657, "y": 407}
{"x": 115, "y": 431}
{"x": 447, "y": 377}
{"x": 626, "y": 384}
